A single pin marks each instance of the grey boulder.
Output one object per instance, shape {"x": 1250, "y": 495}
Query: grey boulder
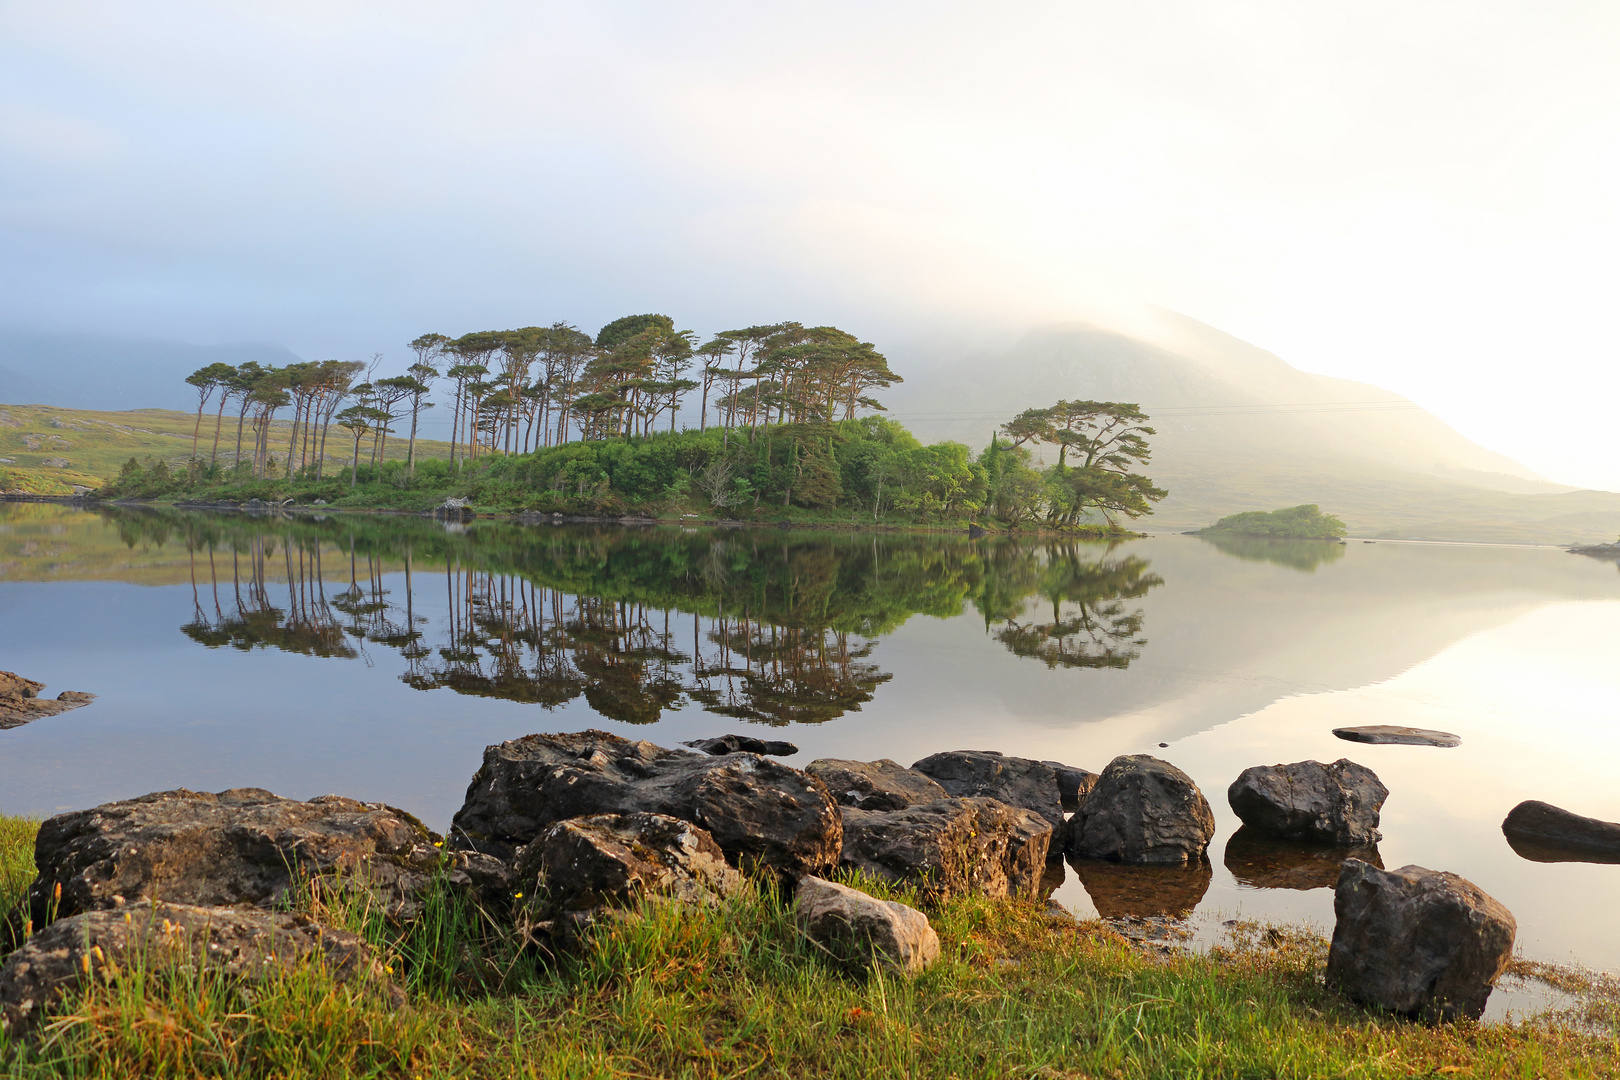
{"x": 875, "y": 785}
{"x": 763, "y": 814}
{"x": 1074, "y": 784}
{"x": 742, "y": 744}
{"x": 242, "y": 846}
{"x": 1330, "y": 804}
{"x": 612, "y": 860}
{"x": 861, "y": 930}
{"x": 1142, "y": 810}
{"x": 1423, "y": 943}
{"x": 951, "y": 847}
{"x": 1013, "y": 780}
{"x": 241, "y": 945}
{"x": 1545, "y": 833}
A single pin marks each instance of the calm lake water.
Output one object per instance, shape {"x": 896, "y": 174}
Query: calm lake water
{"x": 375, "y": 657}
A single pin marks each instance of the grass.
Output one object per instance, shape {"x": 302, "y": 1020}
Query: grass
{"x": 734, "y": 991}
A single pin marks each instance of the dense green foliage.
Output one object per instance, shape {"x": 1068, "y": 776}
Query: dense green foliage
{"x": 1306, "y": 522}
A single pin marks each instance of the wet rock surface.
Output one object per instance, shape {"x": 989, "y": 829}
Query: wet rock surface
{"x": 1013, "y": 780}
{"x": 104, "y": 946}
{"x": 1143, "y": 810}
{"x": 875, "y": 785}
{"x": 1423, "y": 943}
{"x": 1543, "y": 832}
{"x": 1265, "y": 862}
{"x": 762, "y": 813}
{"x": 1329, "y": 804}
{"x": 859, "y": 929}
{"x": 1395, "y": 735}
{"x": 951, "y": 847}
{"x": 242, "y": 846}
{"x": 735, "y": 744}
{"x": 20, "y": 701}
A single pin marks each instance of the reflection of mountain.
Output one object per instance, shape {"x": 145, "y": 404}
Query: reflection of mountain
{"x": 1304, "y": 555}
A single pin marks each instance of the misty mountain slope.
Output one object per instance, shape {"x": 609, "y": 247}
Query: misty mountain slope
{"x": 1239, "y": 429}
{"x": 113, "y": 374}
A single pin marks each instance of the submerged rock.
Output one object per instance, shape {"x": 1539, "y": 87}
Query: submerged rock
{"x": 1545, "y": 833}
{"x": 105, "y": 946}
{"x": 859, "y": 929}
{"x": 21, "y": 704}
{"x": 762, "y": 813}
{"x": 1142, "y": 810}
{"x": 1394, "y": 734}
{"x": 1013, "y": 780}
{"x": 242, "y": 846}
{"x": 1265, "y": 862}
{"x": 1330, "y": 804}
{"x": 1423, "y": 943}
{"x": 733, "y": 744}
{"x": 952, "y": 847}
{"x": 875, "y": 785}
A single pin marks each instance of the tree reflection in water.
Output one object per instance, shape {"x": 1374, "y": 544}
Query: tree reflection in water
{"x": 769, "y": 627}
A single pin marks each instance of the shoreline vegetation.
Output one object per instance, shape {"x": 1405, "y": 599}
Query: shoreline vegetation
{"x": 733, "y": 988}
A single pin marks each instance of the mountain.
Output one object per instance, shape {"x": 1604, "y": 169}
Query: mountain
{"x": 1240, "y": 429}
{"x": 111, "y": 373}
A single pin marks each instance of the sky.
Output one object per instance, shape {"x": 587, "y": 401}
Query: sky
{"x": 1420, "y": 195}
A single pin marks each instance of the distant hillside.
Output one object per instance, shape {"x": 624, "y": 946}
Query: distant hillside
{"x": 1241, "y": 430}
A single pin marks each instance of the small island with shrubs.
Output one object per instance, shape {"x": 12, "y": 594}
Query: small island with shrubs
{"x": 1304, "y": 522}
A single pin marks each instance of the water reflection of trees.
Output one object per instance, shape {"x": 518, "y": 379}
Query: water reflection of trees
{"x": 1302, "y": 555}
{"x": 764, "y": 626}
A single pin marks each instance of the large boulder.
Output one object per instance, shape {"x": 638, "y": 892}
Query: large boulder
{"x": 1419, "y": 942}
{"x": 875, "y": 785}
{"x": 951, "y": 847}
{"x": 244, "y": 945}
{"x": 243, "y": 846}
{"x": 858, "y": 929}
{"x": 742, "y": 744}
{"x": 1142, "y": 810}
{"x": 1329, "y": 804}
{"x": 612, "y": 860}
{"x": 762, "y": 813}
{"x": 1074, "y": 783}
{"x": 1546, "y": 833}
{"x": 1265, "y": 862}
{"x": 1013, "y": 780}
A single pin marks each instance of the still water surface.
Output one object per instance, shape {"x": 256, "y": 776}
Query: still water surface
{"x": 376, "y": 657}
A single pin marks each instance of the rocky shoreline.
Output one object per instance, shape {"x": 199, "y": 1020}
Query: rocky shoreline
{"x": 562, "y": 833}
{"x": 21, "y": 704}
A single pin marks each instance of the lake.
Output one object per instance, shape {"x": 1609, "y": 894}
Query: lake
{"x": 376, "y": 656}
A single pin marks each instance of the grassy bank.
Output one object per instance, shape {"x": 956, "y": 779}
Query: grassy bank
{"x": 734, "y": 991}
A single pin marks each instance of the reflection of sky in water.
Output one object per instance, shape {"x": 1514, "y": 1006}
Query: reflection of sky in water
{"x": 1247, "y": 661}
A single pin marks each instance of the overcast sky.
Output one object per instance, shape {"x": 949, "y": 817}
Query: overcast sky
{"x": 1419, "y": 195}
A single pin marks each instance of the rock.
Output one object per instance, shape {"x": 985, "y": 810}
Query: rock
{"x": 1264, "y": 862}
{"x": 875, "y": 785}
{"x": 1142, "y": 810}
{"x": 733, "y": 744}
{"x": 1329, "y": 804}
{"x": 951, "y": 847}
{"x": 762, "y": 813}
{"x": 243, "y": 945}
{"x": 21, "y": 704}
{"x": 862, "y": 930}
{"x": 15, "y": 687}
{"x": 1074, "y": 784}
{"x": 1545, "y": 833}
{"x": 1397, "y": 735}
{"x": 612, "y": 860}
{"x": 1121, "y": 891}
{"x": 1419, "y": 942}
{"x": 1013, "y": 780}
{"x": 56, "y": 463}
{"x": 243, "y": 846}
{"x": 255, "y": 504}
{"x": 319, "y": 502}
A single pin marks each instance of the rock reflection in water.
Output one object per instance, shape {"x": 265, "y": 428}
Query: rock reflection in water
{"x": 1263, "y": 862}
{"x": 1544, "y": 852}
{"x": 1122, "y": 890}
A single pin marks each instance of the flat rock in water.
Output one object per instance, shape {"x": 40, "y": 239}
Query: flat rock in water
{"x": 953, "y": 847}
{"x": 1143, "y": 810}
{"x": 1013, "y": 780}
{"x": 243, "y": 846}
{"x": 860, "y": 930}
{"x": 1423, "y": 943}
{"x": 1329, "y": 804}
{"x": 762, "y": 813}
{"x": 242, "y": 945}
{"x": 21, "y": 704}
{"x": 1265, "y": 862}
{"x": 1394, "y": 734}
{"x": 875, "y": 785}
{"x": 1542, "y": 832}
{"x": 742, "y": 744}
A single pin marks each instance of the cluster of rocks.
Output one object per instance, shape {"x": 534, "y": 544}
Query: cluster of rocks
{"x": 562, "y": 833}
{"x": 20, "y": 702}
